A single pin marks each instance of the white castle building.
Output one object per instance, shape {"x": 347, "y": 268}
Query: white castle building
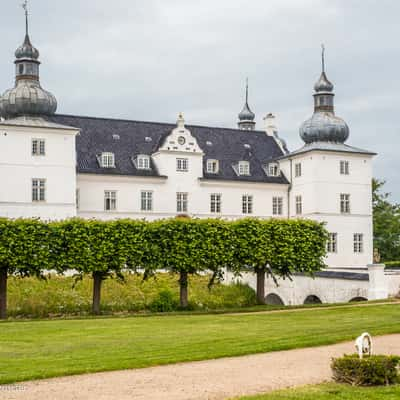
{"x": 55, "y": 166}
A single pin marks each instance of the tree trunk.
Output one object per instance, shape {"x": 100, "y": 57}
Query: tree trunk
{"x": 3, "y": 293}
{"x": 261, "y": 286}
{"x": 183, "y": 285}
{"x": 97, "y": 280}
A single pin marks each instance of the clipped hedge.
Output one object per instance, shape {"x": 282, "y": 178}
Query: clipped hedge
{"x": 392, "y": 264}
{"x": 369, "y": 371}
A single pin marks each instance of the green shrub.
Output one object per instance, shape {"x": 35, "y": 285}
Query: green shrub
{"x": 369, "y": 371}
{"x": 392, "y": 264}
{"x": 166, "y": 301}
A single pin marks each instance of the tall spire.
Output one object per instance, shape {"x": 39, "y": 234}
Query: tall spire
{"x": 246, "y": 116}
{"x": 25, "y": 7}
{"x": 247, "y": 90}
{"x": 323, "y": 57}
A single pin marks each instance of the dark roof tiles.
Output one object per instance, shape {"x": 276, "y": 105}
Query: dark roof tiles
{"x": 97, "y": 135}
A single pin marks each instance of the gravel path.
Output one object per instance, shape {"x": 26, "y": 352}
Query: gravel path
{"x": 205, "y": 380}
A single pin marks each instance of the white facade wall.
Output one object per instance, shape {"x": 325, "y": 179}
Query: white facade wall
{"x": 18, "y": 167}
{"x": 320, "y": 186}
{"x": 92, "y": 186}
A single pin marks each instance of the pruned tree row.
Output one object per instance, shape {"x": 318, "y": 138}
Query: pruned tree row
{"x": 105, "y": 249}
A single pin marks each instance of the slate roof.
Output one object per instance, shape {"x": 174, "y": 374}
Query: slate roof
{"x": 328, "y": 146}
{"x": 99, "y": 135}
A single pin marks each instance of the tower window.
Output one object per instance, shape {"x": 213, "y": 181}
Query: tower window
{"x": 181, "y": 202}
{"x": 146, "y": 201}
{"x": 38, "y": 190}
{"x": 38, "y": 147}
{"x": 344, "y": 168}
{"x": 212, "y": 166}
{"x": 110, "y": 200}
{"x": 358, "y": 242}
{"x": 277, "y": 205}
{"x": 107, "y": 160}
{"x": 345, "y": 203}
{"x": 299, "y": 205}
{"x": 215, "y": 203}
{"x": 21, "y": 69}
{"x": 297, "y": 170}
{"x": 182, "y": 164}
{"x": 247, "y": 204}
{"x": 244, "y": 168}
{"x": 331, "y": 245}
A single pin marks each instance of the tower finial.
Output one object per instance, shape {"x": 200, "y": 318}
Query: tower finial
{"x": 25, "y": 7}
{"x": 323, "y": 57}
{"x": 247, "y": 90}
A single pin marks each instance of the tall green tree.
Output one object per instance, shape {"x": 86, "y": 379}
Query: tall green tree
{"x": 24, "y": 251}
{"x": 90, "y": 247}
{"x": 278, "y": 248}
{"x": 386, "y": 218}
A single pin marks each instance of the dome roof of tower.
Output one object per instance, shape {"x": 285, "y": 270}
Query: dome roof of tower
{"x": 323, "y": 84}
{"x": 26, "y": 50}
{"x": 27, "y": 98}
{"x": 246, "y": 114}
{"x": 324, "y": 127}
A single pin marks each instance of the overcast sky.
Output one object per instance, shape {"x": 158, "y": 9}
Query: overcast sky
{"x": 150, "y": 59}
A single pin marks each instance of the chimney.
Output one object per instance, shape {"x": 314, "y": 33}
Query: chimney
{"x": 270, "y": 125}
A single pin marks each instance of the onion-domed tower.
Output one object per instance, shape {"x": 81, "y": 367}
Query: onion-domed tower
{"x": 246, "y": 116}
{"x": 27, "y": 98}
{"x": 324, "y": 125}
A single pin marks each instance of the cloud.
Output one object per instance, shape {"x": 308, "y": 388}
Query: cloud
{"x": 150, "y": 59}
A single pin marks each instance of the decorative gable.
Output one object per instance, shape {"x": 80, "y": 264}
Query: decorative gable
{"x": 181, "y": 139}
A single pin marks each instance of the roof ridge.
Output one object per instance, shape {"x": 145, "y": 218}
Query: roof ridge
{"x": 154, "y": 122}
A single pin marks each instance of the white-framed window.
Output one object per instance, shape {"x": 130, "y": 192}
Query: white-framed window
{"x": 181, "y": 202}
{"x": 107, "y": 160}
{"x": 297, "y": 170}
{"x": 143, "y": 161}
{"x": 344, "y": 203}
{"x": 344, "y": 168}
{"x": 212, "y": 166}
{"x": 38, "y": 147}
{"x": 247, "y": 204}
{"x": 358, "y": 242}
{"x": 110, "y": 200}
{"x": 277, "y": 205}
{"x": 273, "y": 169}
{"x": 331, "y": 245}
{"x": 182, "y": 164}
{"x": 299, "y": 205}
{"x": 244, "y": 168}
{"x": 38, "y": 189}
{"x": 77, "y": 198}
{"x": 146, "y": 200}
{"x": 215, "y": 202}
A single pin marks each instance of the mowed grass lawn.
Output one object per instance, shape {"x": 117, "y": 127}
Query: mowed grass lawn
{"x": 47, "y": 348}
{"x": 332, "y": 392}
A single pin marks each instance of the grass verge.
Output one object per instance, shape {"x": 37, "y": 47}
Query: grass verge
{"x": 41, "y": 349}
{"x": 332, "y": 392}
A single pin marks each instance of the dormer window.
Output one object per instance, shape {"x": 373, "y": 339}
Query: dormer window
{"x": 143, "y": 161}
{"x": 244, "y": 168}
{"x": 212, "y": 166}
{"x": 273, "y": 169}
{"x": 107, "y": 160}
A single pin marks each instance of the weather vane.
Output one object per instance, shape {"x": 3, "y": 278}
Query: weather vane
{"x": 25, "y": 7}
{"x": 323, "y": 57}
